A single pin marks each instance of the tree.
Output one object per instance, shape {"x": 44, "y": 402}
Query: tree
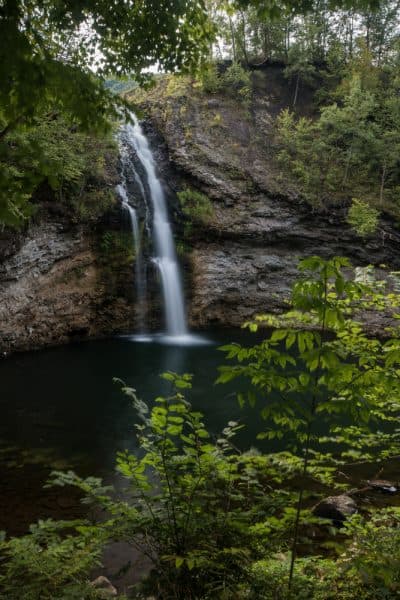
{"x": 300, "y": 68}
{"x": 49, "y": 51}
{"x": 351, "y": 149}
{"x": 72, "y": 163}
{"x": 338, "y": 375}
{"x": 381, "y": 29}
{"x": 362, "y": 217}
{"x": 276, "y": 8}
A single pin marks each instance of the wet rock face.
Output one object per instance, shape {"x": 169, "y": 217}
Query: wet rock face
{"x": 43, "y": 245}
{"x": 233, "y": 282}
{"x": 251, "y": 264}
{"x": 53, "y": 289}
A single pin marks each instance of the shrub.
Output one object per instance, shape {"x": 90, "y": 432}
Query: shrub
{"x": 237, "y": 79}
{"x": 367, "y": 568}
{"x": 196, "y": 206}
{"x": 210, "y": 80}
{"x": 52, "y": 562}
{"x": 182, "y": 486}
{"x": 363, "y": 218}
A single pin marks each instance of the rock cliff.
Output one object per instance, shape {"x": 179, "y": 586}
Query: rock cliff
{"x": 244, "y": 259}
{"x": 59, "y": 282}
{"x": 64, "y": 278}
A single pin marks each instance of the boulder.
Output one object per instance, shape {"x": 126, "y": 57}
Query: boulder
{"x": 337, "y": 508}
{"x": 105, "y": 587}
{"x": 382, "y": 485}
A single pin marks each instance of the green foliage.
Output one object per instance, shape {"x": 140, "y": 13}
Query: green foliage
{"x": 316, "y": 365}
{"x": 196, "y": 206}
{"x": 44, "y": 42}
{"x": 275, "y": 8}
{"x": 116, "y": 248}
{"x": 235, "y": 80}
{"x": 183, "y": 248}
{"x": 373, "y": 556}
{"x": 349, "y": 59}
{"x": 339, "y": 377}
{"x": 350, "y": 150}
{"x": 336, "y": 369}
{"x": 362, "y": 217}
{"x": 366, "y": 568}
{"x": 177, "y": 86}
{"x": 72, "y": 163}
{"x": 182, "y": 485}
{"x": 211, "y": 82}
{"x": 55, "y": 56}
{"x": 52, "y": 562}
{"x": 324, "y": 32}
{"x": 269, "y": 579}
{"x": 300, "y": 68}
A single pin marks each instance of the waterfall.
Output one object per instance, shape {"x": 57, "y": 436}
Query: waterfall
{"x": 122, "y": 191}
{"x": 134, "y": 141}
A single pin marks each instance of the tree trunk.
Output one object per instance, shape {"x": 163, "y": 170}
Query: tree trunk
{"x": 351, "y": 34}
{"x": 296, "y": 91}
{"x": 244, "y": 46}
{"x": 346, "y": 171}
{"x": 233, "y": 40}
{"x": 383, "y": 179}
{"x": 287, "y": 37}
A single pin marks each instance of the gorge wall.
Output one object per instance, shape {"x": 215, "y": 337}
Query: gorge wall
{"x": 64, "y": 278}
{"x": 62, "y": 281}
{"x": 243, "y": 260}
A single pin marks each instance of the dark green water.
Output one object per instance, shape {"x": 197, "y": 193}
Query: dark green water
{"x": 61, "y": 409}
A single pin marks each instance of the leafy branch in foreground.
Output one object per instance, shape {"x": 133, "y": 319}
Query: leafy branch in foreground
{"x": 321, "y": 378}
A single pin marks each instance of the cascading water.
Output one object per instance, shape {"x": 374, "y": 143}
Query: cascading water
{"x": 134, "y": 143}
{"x": 165, "y": 254}
{"x": 122, "y": 191}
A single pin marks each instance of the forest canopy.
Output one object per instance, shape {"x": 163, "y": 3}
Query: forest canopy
{"x": 338, "y": 139}
{"x": 56, "y": 55}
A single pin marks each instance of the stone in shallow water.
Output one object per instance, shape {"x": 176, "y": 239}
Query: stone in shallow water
{"x": 105, "y": 586}
{"x": 381, "y": 485}
{"x": 337, "y": 508}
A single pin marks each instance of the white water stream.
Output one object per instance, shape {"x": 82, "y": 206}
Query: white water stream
{"x": 121, "y": 189}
